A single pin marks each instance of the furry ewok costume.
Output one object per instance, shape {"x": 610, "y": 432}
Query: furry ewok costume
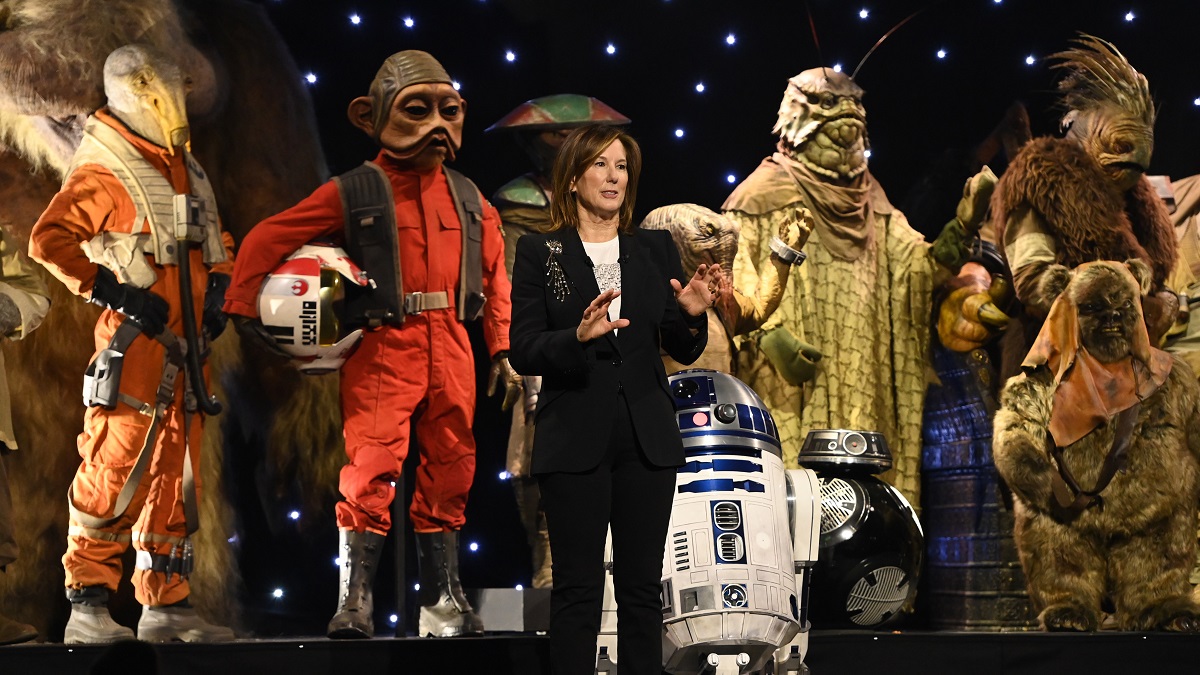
{"x": 1099, "y": 440}
{"x": 1085, "y": 197}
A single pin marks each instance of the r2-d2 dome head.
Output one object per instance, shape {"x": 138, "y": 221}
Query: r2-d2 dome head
{"x": 299, "y": 305}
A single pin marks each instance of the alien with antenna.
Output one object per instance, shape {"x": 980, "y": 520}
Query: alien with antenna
{"x": 864, "y": 299}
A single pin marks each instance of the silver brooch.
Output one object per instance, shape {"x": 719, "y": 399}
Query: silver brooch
{"x": 554, "y": 271}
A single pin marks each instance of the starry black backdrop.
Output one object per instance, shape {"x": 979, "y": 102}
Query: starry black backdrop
{"x": 925, "y": 114}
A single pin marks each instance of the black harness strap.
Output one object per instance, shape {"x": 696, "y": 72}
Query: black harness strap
{"x": 369, "y": 214}
{"x": 1072, "y": 499}
{"x": 470, "y": 275}
{"x": 372, "y": 241}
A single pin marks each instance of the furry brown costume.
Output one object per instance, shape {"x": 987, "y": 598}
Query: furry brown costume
{"x": 1134, "y": 543}
{"x": 254, "y": 131}
{"x": 1084, "y": 197}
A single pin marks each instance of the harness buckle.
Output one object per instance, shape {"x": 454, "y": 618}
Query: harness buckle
{"x": 413, "y": 304}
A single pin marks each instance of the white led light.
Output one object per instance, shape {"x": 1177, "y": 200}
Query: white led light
{"x": 417, "y": 586}
{"x": 611, "y": 48}
{"x": 679, "y": 133}
{"x": 699, "y": 87}
{"x": 731, "y": 178}
{"x": 510, "y": 56}
{"x": 1196, "y": 101}
{"x": 337, "y": 561}
{"x": 294, "y": 515}
{"x": 867, "y": 154}
{"x": 408, "y": 22}
{"x": 837, "y": 67}
{"x": 504, "y": 475}
{"x": 730, "y": 39}
{"x": 941, "y": 53}
{"x": 474, "y": 547}
{"x": 1129, "y": 16}
{"x": 520, "y": 587}
{"x": 1029, "y": 60}
{"x": 277, "y": 593}
{"x": 455, "y": 84}
{"x": 311, "y": 78}
{"x": 863, "y": 13}
{"x": 393, "y": 619}
{"x": 355, "y": 19}
{"x": 393, "y": 483}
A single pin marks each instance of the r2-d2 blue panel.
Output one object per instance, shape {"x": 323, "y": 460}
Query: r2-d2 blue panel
{"x": 731, "y": 580}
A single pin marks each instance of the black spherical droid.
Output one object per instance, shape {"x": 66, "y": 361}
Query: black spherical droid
{"x": 871, "y": 541}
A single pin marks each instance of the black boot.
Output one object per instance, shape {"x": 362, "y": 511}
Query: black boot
{"x": 359, "y": 552}
{"x": 445, "y": 611}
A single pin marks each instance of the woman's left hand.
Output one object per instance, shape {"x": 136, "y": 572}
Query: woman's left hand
{"x": 701, "y": 291}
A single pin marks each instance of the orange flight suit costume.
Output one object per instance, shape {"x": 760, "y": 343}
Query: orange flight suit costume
{"x": 91, "y": 201}
{"x": 426, "y": 363}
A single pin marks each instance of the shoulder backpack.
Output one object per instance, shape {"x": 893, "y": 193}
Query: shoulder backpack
{"x": 369, "y": 213}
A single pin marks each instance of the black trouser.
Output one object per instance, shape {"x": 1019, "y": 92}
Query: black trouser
{"x": 634, "y": 496}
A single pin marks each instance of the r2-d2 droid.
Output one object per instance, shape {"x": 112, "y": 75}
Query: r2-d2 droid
{"x": 744, "y": 536}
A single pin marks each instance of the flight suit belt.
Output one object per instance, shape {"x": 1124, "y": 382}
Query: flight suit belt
{"x": 415, "y": 303}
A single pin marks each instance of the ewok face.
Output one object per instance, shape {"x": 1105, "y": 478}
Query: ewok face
{"x": 1109, "y": 313}
{"x": 822, "y": 123}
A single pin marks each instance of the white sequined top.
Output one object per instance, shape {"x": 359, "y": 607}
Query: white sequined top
{"x": 604, "y": 257}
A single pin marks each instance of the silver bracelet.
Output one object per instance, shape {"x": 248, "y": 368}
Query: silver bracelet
{"x": 786, "y": 253}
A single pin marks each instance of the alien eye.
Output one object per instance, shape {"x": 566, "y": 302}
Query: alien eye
{"x": 416, "y": 108}
{"x": 450, "y": 110}
{"x": 813, "y": 99}
{"x": 828, "y": 100}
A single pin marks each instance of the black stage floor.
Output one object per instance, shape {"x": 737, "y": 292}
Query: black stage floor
{"x": 830, "y": 653}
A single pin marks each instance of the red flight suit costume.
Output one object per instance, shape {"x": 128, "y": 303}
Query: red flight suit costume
{"x": 425, "y": 362}
{"x": 91, "y": 201}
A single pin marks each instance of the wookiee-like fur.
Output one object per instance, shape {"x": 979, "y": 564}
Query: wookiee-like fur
{"x": 254, "y": 132}
{"x": 1087, "y": 215}
{"x": 1089, "y": 218}
{"x": 1138, "y": 549}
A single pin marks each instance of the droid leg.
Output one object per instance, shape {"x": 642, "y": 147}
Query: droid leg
{"x": 606, "y": 641}
{"x": 789, "y": 659}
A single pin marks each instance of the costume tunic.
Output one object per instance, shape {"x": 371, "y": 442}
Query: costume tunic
{"x": 862, "y": 298}
{"x": 28, "y": 293}
{"x": 426, "y": 363}
{"x": 94, "y": 201}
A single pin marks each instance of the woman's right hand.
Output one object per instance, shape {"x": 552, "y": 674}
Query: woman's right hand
{"x": 595, "y": 318}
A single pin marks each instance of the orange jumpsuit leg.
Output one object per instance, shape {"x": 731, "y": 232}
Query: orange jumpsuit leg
{"x": 382, "y": 384}
{"x": 109, "y": 447}
{"x": 447, "y": 467}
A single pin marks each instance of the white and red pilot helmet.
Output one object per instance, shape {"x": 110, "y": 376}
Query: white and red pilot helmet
{"x": 300, "y": 302}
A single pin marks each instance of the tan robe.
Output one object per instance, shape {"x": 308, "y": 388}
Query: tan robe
{"x": 18, "y": 283}
{"x": 870, "y": 317}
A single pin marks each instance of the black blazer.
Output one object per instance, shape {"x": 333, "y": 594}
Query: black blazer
{"x": 581, "y": 382}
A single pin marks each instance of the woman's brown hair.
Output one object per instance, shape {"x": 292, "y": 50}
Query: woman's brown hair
{"x": 575, "y": 156}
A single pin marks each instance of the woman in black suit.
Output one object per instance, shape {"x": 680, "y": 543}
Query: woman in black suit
{"x": 594, "y": 300}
